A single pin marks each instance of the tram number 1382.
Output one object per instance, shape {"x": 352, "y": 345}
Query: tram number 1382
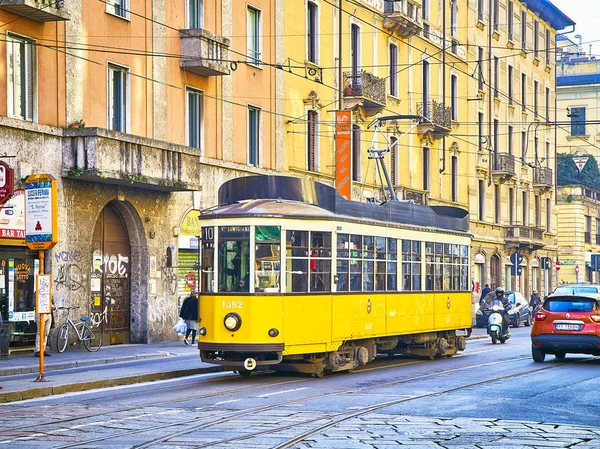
{"x": 232, "y": 304}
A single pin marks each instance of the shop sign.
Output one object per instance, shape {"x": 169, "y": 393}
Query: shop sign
{"x": 22, "y": 272}
{"x": 12, "y": 217}
{"x": 191, "y": 223}
{"x": 41, "y": 204}
{"x": 479, "y": 258}
{"x": 7, "y": 180}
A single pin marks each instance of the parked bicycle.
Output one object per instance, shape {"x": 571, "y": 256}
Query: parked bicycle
{"x": 91, "y": 339}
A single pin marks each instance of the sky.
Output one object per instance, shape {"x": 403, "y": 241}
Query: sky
{"x": 586, "y": 15}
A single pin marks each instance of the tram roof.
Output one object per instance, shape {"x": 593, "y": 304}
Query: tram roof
{"x": 289, "y": 197}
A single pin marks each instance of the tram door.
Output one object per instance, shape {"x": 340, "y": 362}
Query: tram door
{"x": 111, "y": 276}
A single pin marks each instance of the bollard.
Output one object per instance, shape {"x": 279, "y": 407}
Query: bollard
{"x": 4, "y": 341}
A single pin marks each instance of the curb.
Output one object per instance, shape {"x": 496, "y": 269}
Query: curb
{"x": 28, "y": 369}
{"x": 105, "y": 383}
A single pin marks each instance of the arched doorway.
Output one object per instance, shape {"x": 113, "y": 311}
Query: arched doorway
{"x": 111, "y": 276}
{"x": 494, "y": 272}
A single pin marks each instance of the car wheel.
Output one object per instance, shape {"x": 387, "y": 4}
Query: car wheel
{"x": 528, "y": 321}
{"x": 560, "y": 355}
{"x": 517, "y": 321}
{"x": 538, "y": 354}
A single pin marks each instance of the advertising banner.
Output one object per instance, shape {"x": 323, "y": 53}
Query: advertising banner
{"x": 41, "y": 204}
{"x": 343, "y": 181}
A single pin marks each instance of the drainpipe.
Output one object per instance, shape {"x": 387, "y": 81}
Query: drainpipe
{"x": 490, "y": 99}
{"x": 340, "y": 71}
{"x": 443, "y": 169}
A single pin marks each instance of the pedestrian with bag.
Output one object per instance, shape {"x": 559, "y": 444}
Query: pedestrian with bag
{"x": 189, "y": 312}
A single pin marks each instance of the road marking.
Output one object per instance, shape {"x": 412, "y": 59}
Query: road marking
{"x": 226, "y": 402}
{"x": 281, "y": 392}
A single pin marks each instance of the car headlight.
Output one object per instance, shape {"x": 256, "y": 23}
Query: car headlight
{"x": 495, "y": 308}
{"x": 232, "y": 321}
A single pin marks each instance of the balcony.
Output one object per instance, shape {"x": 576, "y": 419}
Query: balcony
{"x": 204, "y": 53}
{"x": 524, "y": 237}
{"x": 41, "y": 11}
{"x": 402, "y": 17}
{"x": 111, "y": 157}
{"x": 503, "y": 167}
{"x": 542, "y": 178}
{"x": 366, "y": 90}
{"x": 437, "y": 119}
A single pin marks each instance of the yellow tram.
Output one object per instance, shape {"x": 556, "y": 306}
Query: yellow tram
{"x": 295, "y": 277}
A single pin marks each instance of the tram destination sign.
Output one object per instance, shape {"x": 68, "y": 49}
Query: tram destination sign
{"x": 41, "y": 204}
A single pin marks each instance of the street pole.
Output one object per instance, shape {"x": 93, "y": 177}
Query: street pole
{"x": 41, "y": 320}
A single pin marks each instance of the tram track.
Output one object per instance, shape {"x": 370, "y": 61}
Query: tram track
{"x": 335, "y": 419}
{"x": 220, "y": 393}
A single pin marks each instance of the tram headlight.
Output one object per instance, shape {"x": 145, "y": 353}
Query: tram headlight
{"x": 232, "y": 321}
{"x": 202, "y": 331}
{"x": 273, "y": 332}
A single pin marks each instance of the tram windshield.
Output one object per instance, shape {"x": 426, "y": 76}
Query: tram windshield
{"x": 234, "y": 258}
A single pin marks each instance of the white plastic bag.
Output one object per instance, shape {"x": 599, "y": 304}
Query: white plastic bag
{"x": 180, "y": 327}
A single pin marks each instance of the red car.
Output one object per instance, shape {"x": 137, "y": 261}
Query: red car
{"x": 567, "y": 322}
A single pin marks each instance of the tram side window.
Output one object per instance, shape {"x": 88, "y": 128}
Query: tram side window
{"x": 267, "y": 258}
{"x": 343, "y": 252}
{"x": 342, "y": 264}
{"x": 439, "y": 267}
{"x": 429, "y": 266}
{"x": 380, "y": 264}
{"x": 464, "y": 273}
{"x": 392, "y": 272}
{"x": 234, "y": 258}
{"x": 208, "y": 257}
{"x": 320, "y": 261}
{"x": 456, "y": 266}
{"x": 368, "y": 263}
{"x": 411, "y": 265}
{"x": 447, "y": 266}
{"x": 297, "y": 261}
{"x": 355, "y": 263}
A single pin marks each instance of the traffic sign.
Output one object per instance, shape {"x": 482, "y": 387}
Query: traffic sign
{"x": 7, "y": 182}
{"x": 545, "y": 263}
{"x": 557, "y": 265}
{"x": 41, "y": 204}
{"x": 576, "y": 269}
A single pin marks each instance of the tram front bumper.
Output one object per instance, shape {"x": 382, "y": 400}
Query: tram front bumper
{"x": 234, "y": 355}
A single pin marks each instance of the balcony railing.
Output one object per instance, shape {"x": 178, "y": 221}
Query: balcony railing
{"x": 402, "y": 17}
{"x": 542, "y": 177}
{"x": 503, "y": 166}
{"x": 365, "y": 89}
{"x": 204, "y": 53}
{"x": 523, "y": 236}
{"x": 111, "y": 157}
{"x": 436, "y": 118}
{"x": 42, "y": 11}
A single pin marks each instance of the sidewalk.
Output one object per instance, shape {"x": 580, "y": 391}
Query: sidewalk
{"x": 77, "y": 369}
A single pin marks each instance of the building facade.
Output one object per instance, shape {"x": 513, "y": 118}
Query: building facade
{"x": 140, "y": 110}
{"x": 578, "y": 148}
{"x": 512, "y": 118}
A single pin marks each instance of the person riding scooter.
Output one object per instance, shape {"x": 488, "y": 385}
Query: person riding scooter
{"x": 507, "y": 306}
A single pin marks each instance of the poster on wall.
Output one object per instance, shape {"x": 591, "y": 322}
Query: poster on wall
{"x": 12, "y": 219}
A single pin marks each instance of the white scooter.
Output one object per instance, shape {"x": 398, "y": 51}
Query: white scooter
{"x": 495, "y": 318}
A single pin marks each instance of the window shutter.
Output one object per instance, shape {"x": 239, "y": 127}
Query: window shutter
{"x": 393, "y": 149}
{"x": 124, "y": 81}
{"x": 11, "y": 74}
{"x": 29, "y": 81}
{"x": 311, "y": 139}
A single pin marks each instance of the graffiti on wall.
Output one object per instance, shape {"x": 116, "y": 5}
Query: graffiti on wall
{"x": 169, "y": 277}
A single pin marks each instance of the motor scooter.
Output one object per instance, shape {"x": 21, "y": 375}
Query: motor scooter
{"x": 495, "y": 318}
